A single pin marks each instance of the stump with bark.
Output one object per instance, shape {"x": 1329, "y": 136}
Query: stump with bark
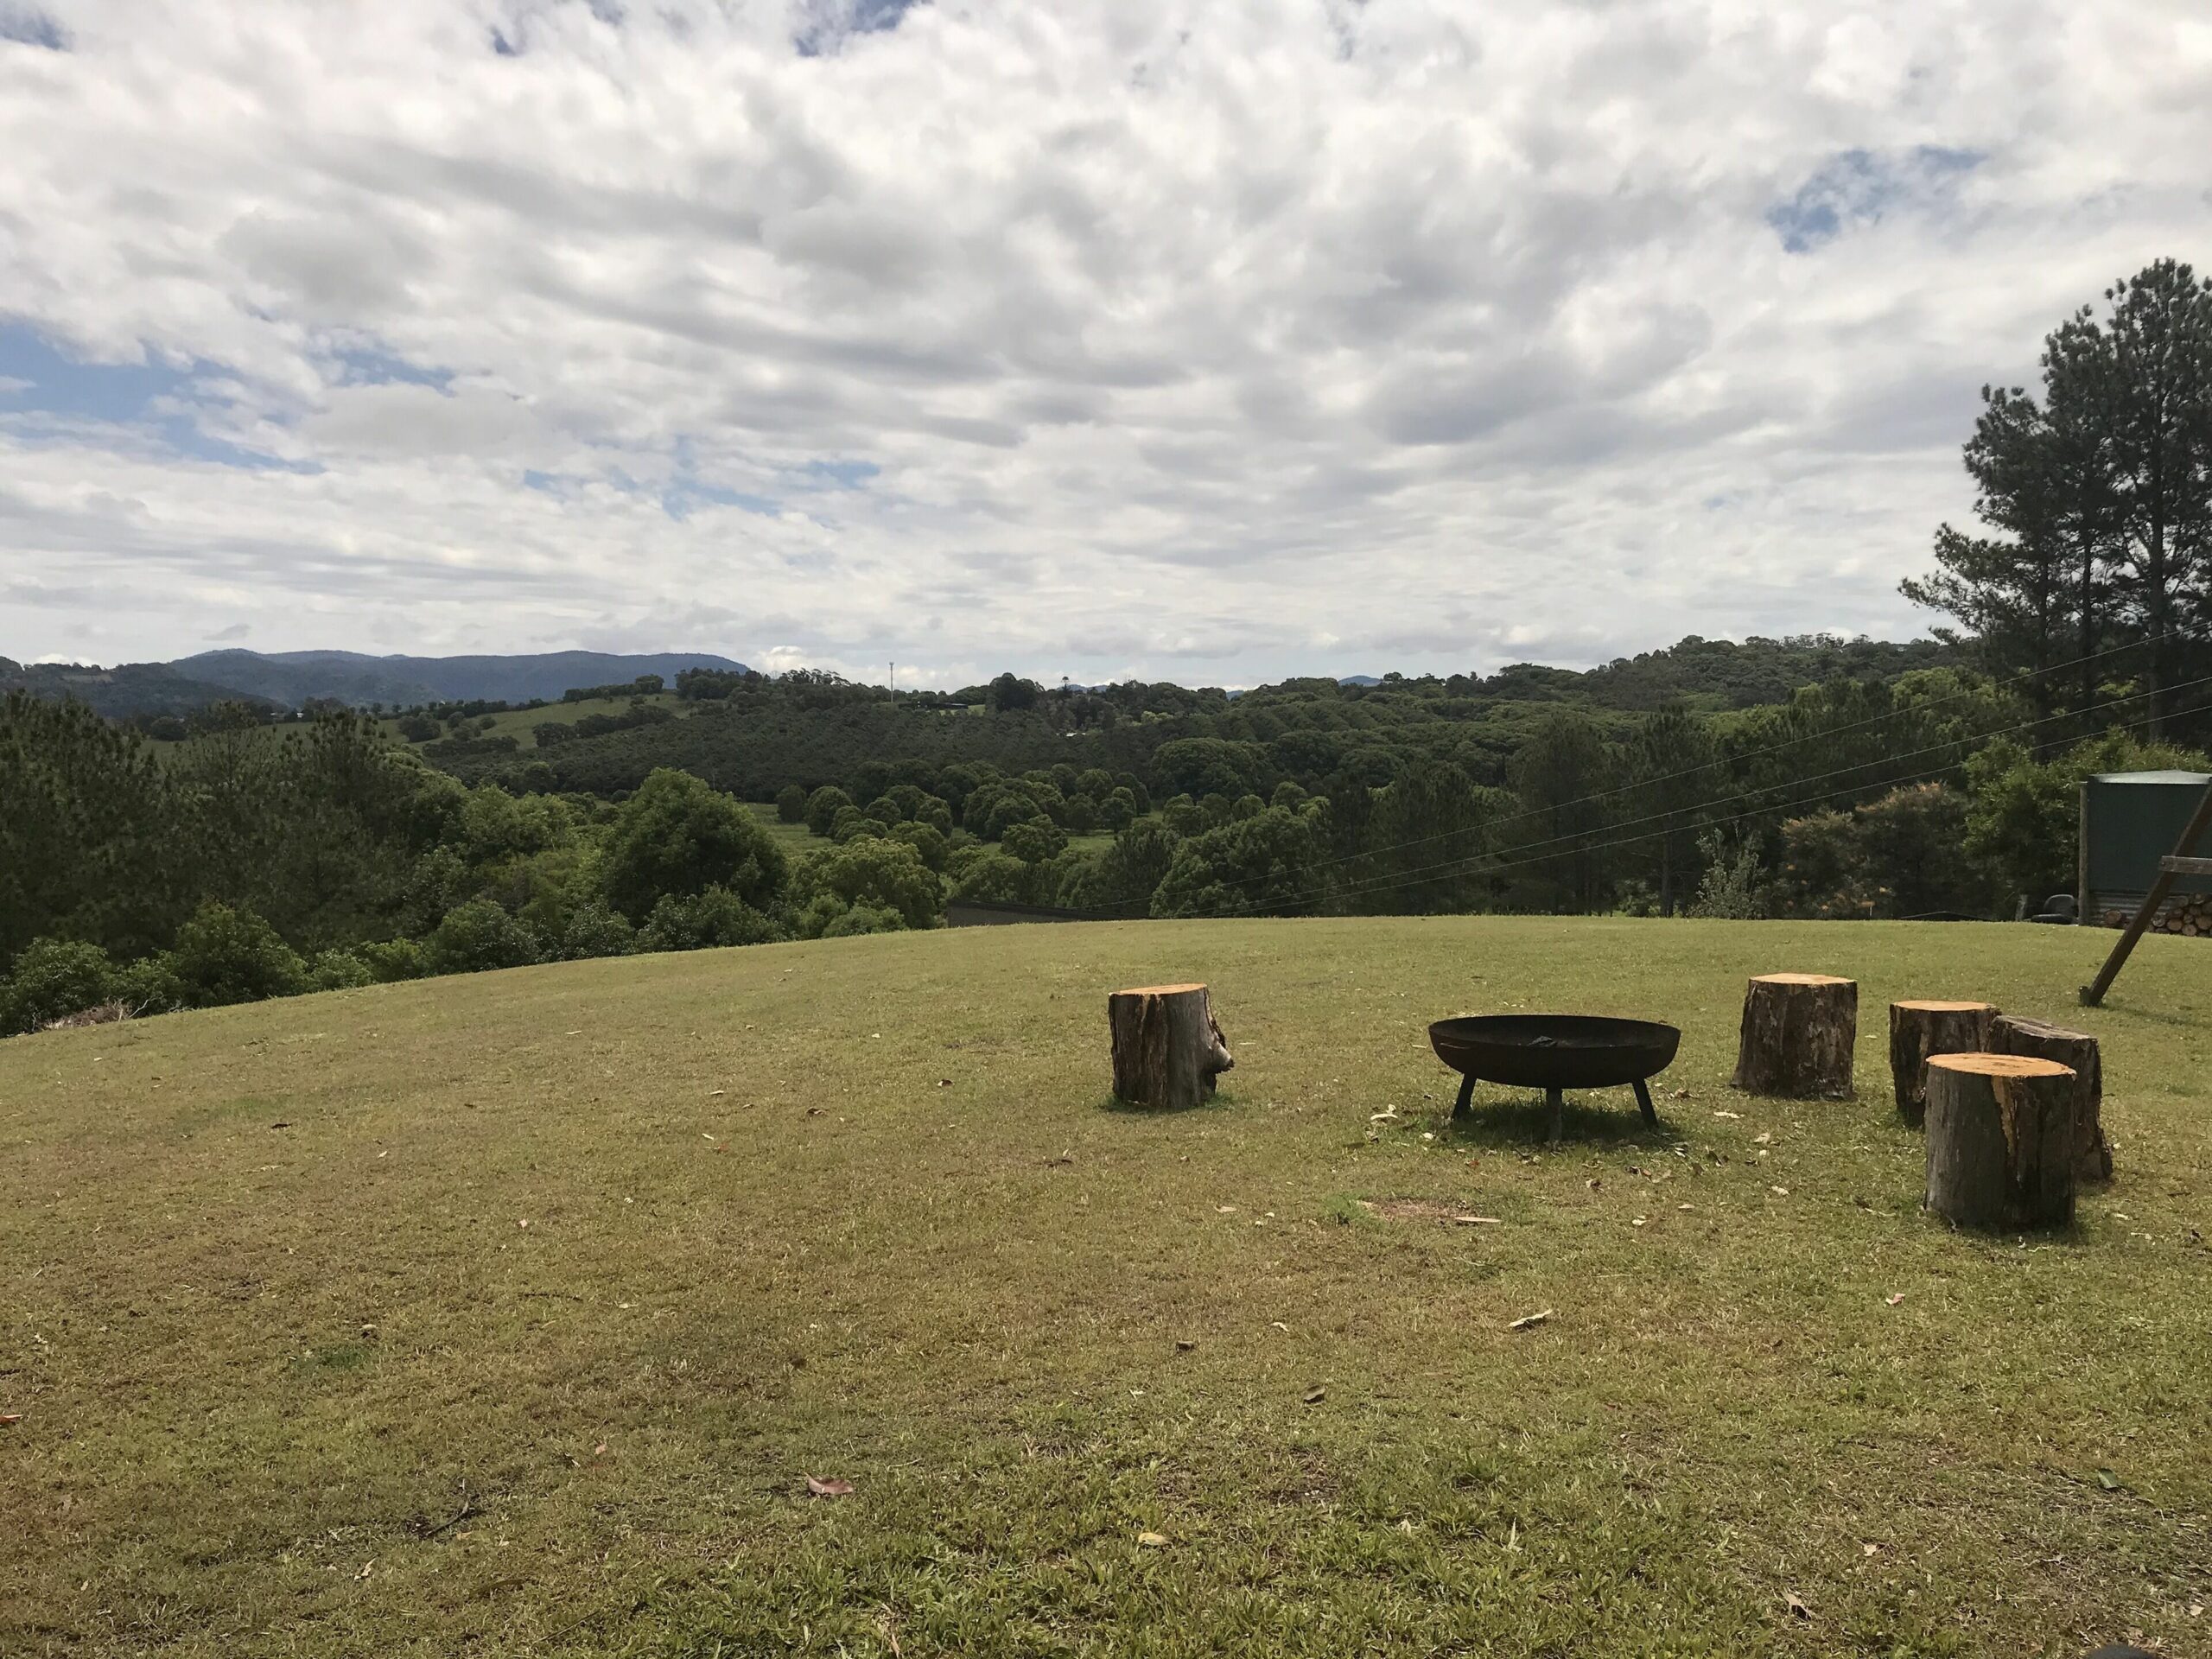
{"x": 1168, "y": 1048}
{"x": 2012, "y": 1033}
{"x": 1799, "y": 1030}
{"x": 1919, "y": 1030}
{"x": 2000, "y": 1141}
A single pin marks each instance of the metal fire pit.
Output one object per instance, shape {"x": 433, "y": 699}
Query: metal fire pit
{"x": 1553, "y": 1052}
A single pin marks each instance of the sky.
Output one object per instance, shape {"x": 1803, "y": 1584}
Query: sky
{"x": 1213, "y": 341}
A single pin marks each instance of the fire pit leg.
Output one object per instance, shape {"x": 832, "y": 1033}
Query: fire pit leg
{"x": 1644, "y": 1104}
{"x": 1466, "y": 1094}
{"x": 1557, "y": 1101}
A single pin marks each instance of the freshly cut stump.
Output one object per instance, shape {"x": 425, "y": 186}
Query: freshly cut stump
{"x": 1918, "y": 1030}
{"x": 2000, "y": 1141}
{"x": 1799, "y": 1030}
{"x": 1168, "y": 1048}
{"x": 2012, "y": 1033}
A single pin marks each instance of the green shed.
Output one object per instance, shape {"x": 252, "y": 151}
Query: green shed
{"x": 2130, "y": 820}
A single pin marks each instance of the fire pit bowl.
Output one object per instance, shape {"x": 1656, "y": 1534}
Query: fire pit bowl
{"x": 1553, "y": 1052}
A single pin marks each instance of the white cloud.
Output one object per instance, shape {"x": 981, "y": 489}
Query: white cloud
{"x": 1215, "y": 341}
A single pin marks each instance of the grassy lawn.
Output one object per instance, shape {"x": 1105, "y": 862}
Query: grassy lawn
{"x": 794, "y": 838}
{"x": 292, "y": 1377}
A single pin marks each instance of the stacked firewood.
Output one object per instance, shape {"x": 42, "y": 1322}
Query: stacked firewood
{"x": 2187, "y": 914}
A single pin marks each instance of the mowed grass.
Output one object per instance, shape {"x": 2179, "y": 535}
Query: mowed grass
{"x": 861, "y": 1210}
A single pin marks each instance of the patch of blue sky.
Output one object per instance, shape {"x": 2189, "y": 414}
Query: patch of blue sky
{"x": 833, "y": 22}
{"x": 150, "y": 398}
{"x": 369, "y": 367}
{"x": 1861, "y": 186}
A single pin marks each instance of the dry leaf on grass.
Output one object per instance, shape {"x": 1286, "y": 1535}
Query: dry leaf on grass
{"x": 1315, "y": 1396}
{"x": 1530, "y": 1321}
{"x": 1184, "y": 1345}
{"x": 1795, "y": 1605}
{"x": 820, "y": 1486}
{"x": 1153, "y": 1540}
{"x": 1894, "y": 1299}
{"x": 1477, "y": 1221}
{"x": 8, "y": 1417}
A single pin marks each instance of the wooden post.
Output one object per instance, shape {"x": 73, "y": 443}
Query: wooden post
{"x": 2012, "y": 1033}
{"x": 1919, "y": 1029}
{"x": 1799, "y": 1030}
{"x": 1167, "y": 1046}
{"x": 2000, "y": 1141}
{"x": 2175, "y": 864}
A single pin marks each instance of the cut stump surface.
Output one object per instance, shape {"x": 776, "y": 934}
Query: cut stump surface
{"x": 1919, "y": 1030}
{"x": 1799, "y": 1031}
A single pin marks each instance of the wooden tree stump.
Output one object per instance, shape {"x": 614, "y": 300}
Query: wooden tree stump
{"x": 1799, "y": 1030}
{"x": 2000, "y": 1141}
{"x": 1918, "y": 1030}
{"x": 2012, "y": 1033}
{"x": 1168, "y": 1048}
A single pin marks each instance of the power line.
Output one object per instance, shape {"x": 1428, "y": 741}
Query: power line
{"x": 1828, "y": 732}
{"x": 1464, "y": 866}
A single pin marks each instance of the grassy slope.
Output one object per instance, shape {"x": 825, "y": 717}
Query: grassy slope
{"x": 859, "y": 1209}
{"x": 522, "y": 724}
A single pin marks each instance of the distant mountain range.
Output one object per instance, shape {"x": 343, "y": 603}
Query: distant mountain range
{"x": 292, "y": 678}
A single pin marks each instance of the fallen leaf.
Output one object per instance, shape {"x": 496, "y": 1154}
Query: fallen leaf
{"x": 1795, "y": 1605}
{"x": 599, "y": 1450}
{"x": 1894, "y": 1298}
{"x": 1870, "y": 1549}
{"x": 1593, "y": 1182}
{"x": 2108, "y": 1480}
{"x": 819, "y": 1486}
{"x": 367, "y": 1567}
{"x": 717, "y": 1094}
{"x": 1387, "y": 1116}
{"x": 1315, "y": 1396}
{"x": 1638, "y": 1222}
{"x": 1477, "y": 1221}
{"x": 280, "y": 1126}
{"x": 1184, "y": 1345}
{"x": 522, "y": 1223}
{"x": 1153, "y": 1540}
{"x": 945, "y": 1083}
{"x": 1735, "y": 1114}
{"x": 1780, "y": 1191}
{"x": 1279, "y": 1326}
{"x": 1528, "y": 1322}
{"x": 1224, "y": 1209}
{"x": 8, "y": 1417}
{"x": 1764, "y": 1137}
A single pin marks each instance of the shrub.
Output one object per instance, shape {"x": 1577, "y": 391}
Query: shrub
{"x": 713, "y": 919}
{"x": 338, "y": 970}
{"x": 679, "y": 835}
{"x": 50, "y": 978}
{"x": 476, "y": 936}
{"x": 924, "y": 840}
{"x": 1036, "y": 840}
{"x": 149, "y": 985}
{"x": 597, "y": 930}
{"x": 791, "y": 804}
{"x": 1729, "y": 889}
{"x": 418, "y": 728}
{"x": 225, "y": 955}
{"x": 821, "y": 808}
{"x": 995, "y": 878}
{"x": 394, "y": 960}
{"x": 878, "y": 873}
{"x": 864, "y": 919}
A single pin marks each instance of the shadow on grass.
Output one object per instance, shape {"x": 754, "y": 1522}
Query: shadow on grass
{"x": 1211, "y": 1102}
{"x": 1525, "y": 1121}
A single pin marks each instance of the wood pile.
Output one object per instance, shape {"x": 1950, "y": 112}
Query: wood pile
{"x": 2189, "y": 914}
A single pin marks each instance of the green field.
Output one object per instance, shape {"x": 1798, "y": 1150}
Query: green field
{"x": 522, "y": 724}
{"x": 292, "y": 1376}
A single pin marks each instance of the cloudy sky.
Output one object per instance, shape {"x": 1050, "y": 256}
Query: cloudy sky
{"x": 1207, "y": 339}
